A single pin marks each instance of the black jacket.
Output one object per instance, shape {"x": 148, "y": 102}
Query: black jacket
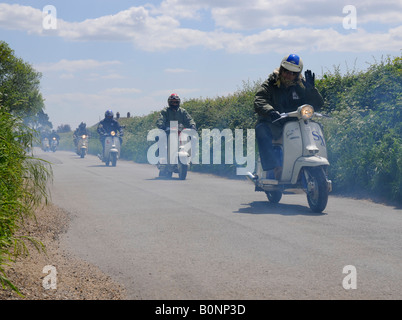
{"x": 274, "y": 96}
{"x": 109, "y": 125}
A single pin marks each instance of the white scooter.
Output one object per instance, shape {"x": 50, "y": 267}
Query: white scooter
{"x": 303, "y": 153}
{"x": 45, "y": 145}
{"x": 82, "y": 146}
{"x": 112, "y": 149}
{"x": 53, "y": 144}
{"x": 178, "y": 158}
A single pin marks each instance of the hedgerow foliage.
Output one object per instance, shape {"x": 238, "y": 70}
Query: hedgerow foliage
{"x": 23, "y": 178}
{"x": 363, "y": 135}
{"x": 23, "y": 186}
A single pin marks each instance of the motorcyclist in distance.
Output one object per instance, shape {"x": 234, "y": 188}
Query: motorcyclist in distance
{"x": 174, "y": 113}
{"x": 106, "y": 126}
{"x": 81, "y": 130}
{"x": 284, "y": 91}
{"x": 54, "y": 134}
{"x": 45, "y": 135}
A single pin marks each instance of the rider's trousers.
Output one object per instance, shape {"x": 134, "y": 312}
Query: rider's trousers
{"x": 263, "y": 134}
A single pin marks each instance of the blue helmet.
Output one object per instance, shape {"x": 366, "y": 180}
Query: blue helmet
{"x": 109, "y": 114}
{"x": 293, "y": 63}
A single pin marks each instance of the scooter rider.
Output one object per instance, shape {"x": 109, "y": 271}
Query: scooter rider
{"x": 174, "y": 113}
{"x": 45, "y": 139}
{"x": 106, "y": 126}
{"x": 81, "y": 130}
{"x": 284, "y": 91}
{"x": 54, "y": 134}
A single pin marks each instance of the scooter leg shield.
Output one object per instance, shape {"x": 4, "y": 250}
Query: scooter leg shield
{"x": 314, "y": 161}
{"x": 184, "y": 158}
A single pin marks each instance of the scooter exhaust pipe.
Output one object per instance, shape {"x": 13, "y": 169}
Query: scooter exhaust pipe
{"x": 251, "y": 177}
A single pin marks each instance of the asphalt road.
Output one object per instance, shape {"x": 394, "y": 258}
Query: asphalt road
{"x": 214, "y": 238}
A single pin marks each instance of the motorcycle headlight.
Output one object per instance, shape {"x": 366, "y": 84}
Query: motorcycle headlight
{"x": 84, "y": 136}
{"x": 306, "y": 112}
{"x": 113, "y": 133}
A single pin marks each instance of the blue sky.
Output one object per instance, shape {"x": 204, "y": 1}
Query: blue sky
{"x": 128, "y": 56}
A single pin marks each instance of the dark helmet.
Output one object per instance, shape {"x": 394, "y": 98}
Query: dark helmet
{"x": 82, "y": 125}
{"x": 109, "y": 114}
{"x": 174, "y": 101}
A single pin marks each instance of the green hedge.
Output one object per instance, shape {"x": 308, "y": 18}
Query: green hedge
{"x": 363, "y": 134}
{"x": 364, "y": 138}
{"x": 23, "y": 186}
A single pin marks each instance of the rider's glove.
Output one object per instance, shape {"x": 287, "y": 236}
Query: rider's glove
{"x": 310, "y": 79}
{"x": 274, "y": 115}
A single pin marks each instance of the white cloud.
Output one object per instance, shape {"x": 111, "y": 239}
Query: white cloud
{"x": 118, "y": 91}
{"x": 323, "y": 40}
{"x": 127, "y": 25}
{"x": 396, "y": 33}
{"x": 180, "y": 91}
{"x": 277, "y": 24}
{"x": 178, "y": 9}
{"x": 67, "y": 76}
{"x": 71, "y": 66}
{"x": 109, "y": 76}
{"x": 263, "y": 14}
{"x": 177, "y": 70}
{"x": 18, "y": 17}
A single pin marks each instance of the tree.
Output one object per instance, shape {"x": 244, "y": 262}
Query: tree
{"x": 43, "y": 120}
{"x": 19, "y": 85}
{"x": 63, "y": 128}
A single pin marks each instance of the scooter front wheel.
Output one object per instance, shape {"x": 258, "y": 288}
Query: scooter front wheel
{"x": 183, "y": 171}
{"x": 274, "y": 196}
{"x": 114, "y": 159}
{"x": 317, "y": 189}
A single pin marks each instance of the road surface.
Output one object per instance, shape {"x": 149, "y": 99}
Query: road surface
{"x": 214, "y": 238}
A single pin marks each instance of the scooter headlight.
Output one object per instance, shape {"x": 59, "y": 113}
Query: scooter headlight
{"x": 306, "y": 112}
{"x": 113, "y": 133}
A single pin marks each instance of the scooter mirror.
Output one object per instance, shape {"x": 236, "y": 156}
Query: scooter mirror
{"x": 283, "y": 115}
